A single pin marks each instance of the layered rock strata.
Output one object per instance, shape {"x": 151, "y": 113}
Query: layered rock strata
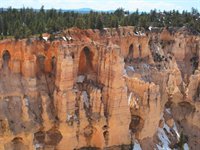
{"x": 106, "y": 89}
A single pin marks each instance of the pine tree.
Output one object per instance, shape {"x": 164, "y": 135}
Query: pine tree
{"x": 99, "y": 23}
{"x": 25, "y": 22}
{"x": 80, "y": 23}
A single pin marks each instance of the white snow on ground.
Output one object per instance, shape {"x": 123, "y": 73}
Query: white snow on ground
{"x": 26, "y": 101}
{"x": 186, "y": 147}
{"x": 150, "y": 27}
{"x": 159, "y": 147}
{"x": 69, "y": 116}
{"x": 168, "y": 110}
{"x": 137, "y": 146}
{"x": 85, "y": 98}
{"x": 136, "y": 34}
{"x": 130, "y": 68}
{"x": 133, "y": 102}
{"x": 37, "y": 146}
{"x": 167, "y": 127}
{"x": 140, "y": 33}
{"x": 69, "y": 38}
{"x": 136, "y": 103}
{"x": 146, "y": 66}
{"x": 45, "y": 38}
{"x": 64, "y": 38}
{"x": 129, "y": 98}
{"x": 164, "y": 139}
{"x": 176, "y": 130}
{"x": 80, "y": 79}
{"x": 125, "y": 73}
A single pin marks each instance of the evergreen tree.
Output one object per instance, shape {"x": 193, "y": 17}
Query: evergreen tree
{"x": 99, "y": 23}
{"x": 25, "y": 22}
{"x": 79, "y": 23}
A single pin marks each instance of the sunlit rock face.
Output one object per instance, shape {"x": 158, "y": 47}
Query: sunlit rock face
{"x": 110, "y": 90}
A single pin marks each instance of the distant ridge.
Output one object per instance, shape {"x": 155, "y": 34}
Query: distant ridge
{"x": 79, "y": 10}
{"x": 85, "y": 10}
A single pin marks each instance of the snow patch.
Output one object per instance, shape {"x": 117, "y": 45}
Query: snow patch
{"x": 125, "y": 73}
{"x": 80, "y": 79}
{"x": 69, "y": 38}
{"x": 69, "y": 116}
{"x": 130, "y": 68}
{"x": 167, "y": 127}
{"x": 26, "y": 102}
{"x": 150, "y": 27}
{"x": 159, "y": 147}
{"x": 64, "y": 38}
{"x": 146, "y": 66}
{"x": 168, "y": 110}
{"x": 45, "y": 38}
{"x": 186, "y": 147}
{"x": 176, "y": 130}
{"x": 38, "y": 146}
{"x": 140, "y": 33}
{"x": 137, "y": 146}
{"x": 164, "y": 139}
{"x": 129, "y": 98}
{"x": 128, "y": 71}
{"x": 85, "y": 99}
{"x": 163, "y": 132}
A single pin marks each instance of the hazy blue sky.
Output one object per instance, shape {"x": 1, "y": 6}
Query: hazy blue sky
{"x": 143, "y": 5}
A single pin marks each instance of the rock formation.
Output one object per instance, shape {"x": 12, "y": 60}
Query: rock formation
{"x": 110, "y": 89}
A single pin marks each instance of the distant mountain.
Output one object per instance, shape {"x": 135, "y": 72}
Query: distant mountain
{"x": 85, "y": 10}
{"x": 80, "y": 10}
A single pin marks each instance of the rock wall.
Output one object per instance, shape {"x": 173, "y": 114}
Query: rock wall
{"x": 101, "y": 90}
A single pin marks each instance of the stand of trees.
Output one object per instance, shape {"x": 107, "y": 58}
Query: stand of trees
{"x": 22, "y": 23}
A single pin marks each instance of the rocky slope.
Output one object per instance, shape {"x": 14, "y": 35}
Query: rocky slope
{"x": 112, "y": 90}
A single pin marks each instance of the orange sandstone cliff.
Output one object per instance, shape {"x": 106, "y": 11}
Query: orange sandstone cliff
{"x": 114, "y": 89}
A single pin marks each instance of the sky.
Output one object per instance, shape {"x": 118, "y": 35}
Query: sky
{"x": 131, "y": 5}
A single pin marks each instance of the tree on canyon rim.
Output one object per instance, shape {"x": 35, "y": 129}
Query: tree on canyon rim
{"x": 24, "y": 22}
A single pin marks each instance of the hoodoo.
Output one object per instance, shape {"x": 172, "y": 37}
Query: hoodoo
{"x": 110, "y": 89}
